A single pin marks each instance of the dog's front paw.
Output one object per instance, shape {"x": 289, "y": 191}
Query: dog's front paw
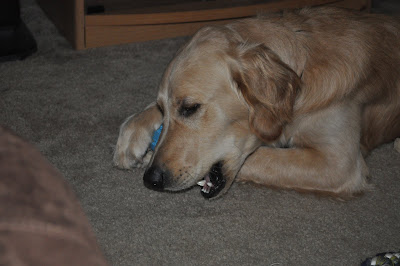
{"x": 128, "y": 160}
{"x": 132, "y": 149}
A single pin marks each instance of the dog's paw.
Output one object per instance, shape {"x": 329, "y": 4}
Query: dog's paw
{"x": 132, "y": 149}
{"x": 129, "y": 161}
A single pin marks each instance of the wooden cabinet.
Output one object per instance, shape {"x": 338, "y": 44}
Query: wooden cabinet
{"x": 111, "y": 22}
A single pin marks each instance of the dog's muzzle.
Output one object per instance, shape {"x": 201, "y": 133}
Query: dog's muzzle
{"x": 156, "y": 178}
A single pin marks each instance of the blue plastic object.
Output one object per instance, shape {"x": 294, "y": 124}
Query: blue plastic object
{"x": 156, "y": 136}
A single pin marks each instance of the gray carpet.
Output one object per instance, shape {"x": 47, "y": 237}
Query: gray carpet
{"x": 70, "y": 105}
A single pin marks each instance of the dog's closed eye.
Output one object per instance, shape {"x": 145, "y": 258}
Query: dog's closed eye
{"x": 188, "y": 110}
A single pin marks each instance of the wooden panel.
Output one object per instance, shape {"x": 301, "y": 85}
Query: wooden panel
{"x": 120, "y": 27}
{"x": 110, "y": 35}
{"x": 69, "y": 18}
{"x": 197, "y": 15}
{"x": 100, "y": 33}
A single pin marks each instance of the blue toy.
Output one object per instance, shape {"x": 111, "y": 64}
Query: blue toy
{"x": 155, "y": 138}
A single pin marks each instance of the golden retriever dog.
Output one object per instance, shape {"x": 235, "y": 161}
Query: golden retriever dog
{"x": 294, "y": 100}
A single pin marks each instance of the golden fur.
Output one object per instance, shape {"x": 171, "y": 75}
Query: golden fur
{"x": 293, "y": 100}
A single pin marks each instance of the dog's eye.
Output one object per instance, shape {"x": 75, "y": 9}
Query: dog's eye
{"x": 187, "y": 111}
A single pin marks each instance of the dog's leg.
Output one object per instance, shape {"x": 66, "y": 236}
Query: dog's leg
{"x": 305, "y": 169}
{"x": 322, "y": 156}
{"x": 135, "y": 136}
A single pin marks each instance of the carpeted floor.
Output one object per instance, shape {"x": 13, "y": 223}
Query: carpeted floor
{"x": 70, "y": 105}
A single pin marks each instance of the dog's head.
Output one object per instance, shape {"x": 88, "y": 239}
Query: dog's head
{"x": 221, "y": 99}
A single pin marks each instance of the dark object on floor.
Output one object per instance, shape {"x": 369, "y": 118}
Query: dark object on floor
{"x": 16, "y": 41}
{"x": 383, "y": 259}
{"x": 41, "y": 220}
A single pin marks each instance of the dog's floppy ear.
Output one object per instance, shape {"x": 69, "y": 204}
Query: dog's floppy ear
{"x": 269, "y": 87}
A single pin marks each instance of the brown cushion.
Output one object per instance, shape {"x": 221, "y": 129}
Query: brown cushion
{"x": 41, "y": 220}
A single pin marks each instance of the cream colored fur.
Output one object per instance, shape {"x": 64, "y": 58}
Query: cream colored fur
{"x": 293, "y": 100}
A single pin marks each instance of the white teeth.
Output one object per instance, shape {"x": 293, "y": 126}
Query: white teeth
{"x": 205, "y": 190}
{"x": 201, "y": 183}
{"x": 206, "y": 184}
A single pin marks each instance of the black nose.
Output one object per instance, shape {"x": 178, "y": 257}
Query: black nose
{"x": 154, "y": 178}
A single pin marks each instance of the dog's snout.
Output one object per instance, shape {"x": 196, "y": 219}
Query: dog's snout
{"x": 154, "y": 178}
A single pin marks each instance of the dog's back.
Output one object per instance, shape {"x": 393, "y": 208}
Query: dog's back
{"x": 339, "y": 55}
